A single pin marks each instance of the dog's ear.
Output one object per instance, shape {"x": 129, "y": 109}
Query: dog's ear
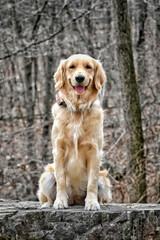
{"x": 100, "y": 76}
{"x": 59, "y": 76}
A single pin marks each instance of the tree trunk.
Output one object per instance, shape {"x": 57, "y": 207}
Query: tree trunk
{"x": 48, "y": 94}
{"x": 141, "y": 61}
{"x": 90, "y": 30}
{"x": 157, "y": 10}
{"x": 30, "y": 121}
{"x": 27, "y": 64}
{"x": 108, "y": 60}
{"x": 48, "y": 98}
{"x": 136, "y": 178}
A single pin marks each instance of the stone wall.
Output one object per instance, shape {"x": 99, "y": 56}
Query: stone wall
{"x": 25, "y": 220}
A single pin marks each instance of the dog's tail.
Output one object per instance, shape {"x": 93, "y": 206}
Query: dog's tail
{"x": 49, "y": 167}
{"x": 104, "y": 187}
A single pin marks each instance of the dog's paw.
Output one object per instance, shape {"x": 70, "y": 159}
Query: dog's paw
{"x": 60, "y": 203}
{"x": 92, "y": 205}
{"x": 46, "y": 205}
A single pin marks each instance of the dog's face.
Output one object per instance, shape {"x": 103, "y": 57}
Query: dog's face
{"x": 80, "y": 73}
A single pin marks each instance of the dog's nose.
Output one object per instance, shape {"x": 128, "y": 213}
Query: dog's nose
{"x": 80, "y": 78}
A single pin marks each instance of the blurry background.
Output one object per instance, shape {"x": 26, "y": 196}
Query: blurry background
{"x": 34, "y": 36}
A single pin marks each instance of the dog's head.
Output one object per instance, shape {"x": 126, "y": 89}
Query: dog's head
{"x": 80, "y": 73}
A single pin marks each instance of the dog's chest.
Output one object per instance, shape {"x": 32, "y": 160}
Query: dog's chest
{"x": 75, "y": 131}
{"x": 76, "y": 171}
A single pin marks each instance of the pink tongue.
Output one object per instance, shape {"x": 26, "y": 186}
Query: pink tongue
{"x": 80, "y": 89}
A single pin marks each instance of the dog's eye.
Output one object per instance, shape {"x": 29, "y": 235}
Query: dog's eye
{"x": 88, "y": 66}
{"x": 72, "y": 66}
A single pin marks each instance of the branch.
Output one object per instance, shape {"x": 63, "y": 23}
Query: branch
{"x": 39, "y": 16}
{"x": 117, "y": 141}
{"x": 46, "y": 39}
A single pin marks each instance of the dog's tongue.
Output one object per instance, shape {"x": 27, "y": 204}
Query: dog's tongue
{"x": 80, "y": 89}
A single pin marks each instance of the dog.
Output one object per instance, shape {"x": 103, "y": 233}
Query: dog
{"x": 77, "y": 138}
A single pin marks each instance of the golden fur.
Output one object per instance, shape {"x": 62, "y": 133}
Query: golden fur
{"x": 77, "y": 138}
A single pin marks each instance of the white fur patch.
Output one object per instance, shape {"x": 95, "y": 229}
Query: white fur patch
{"x": 92, "y": 204}
{"x": 104, "y": 190}
{"x": 61, "y": 202}
{"x": 75, "y": 140}
{"x": 75, "y": 131}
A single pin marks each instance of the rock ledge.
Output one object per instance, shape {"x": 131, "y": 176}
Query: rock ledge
{"x": 25, "y": 220}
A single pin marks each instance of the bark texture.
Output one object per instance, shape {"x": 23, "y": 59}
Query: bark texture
{"x": 131, "y": 106}
{"x": 25, "y": 220}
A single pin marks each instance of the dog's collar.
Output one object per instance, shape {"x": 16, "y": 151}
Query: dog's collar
{"x": 61, "y": 102}
{"x": 59, "y": 99}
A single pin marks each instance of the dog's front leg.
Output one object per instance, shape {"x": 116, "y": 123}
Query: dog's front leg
{"x": 91, "y": 201}
{"x": 61, "y": 197}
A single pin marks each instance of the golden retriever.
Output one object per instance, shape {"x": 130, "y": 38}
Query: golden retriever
{"x": 77, "y": 138}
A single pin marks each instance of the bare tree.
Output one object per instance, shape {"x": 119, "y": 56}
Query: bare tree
{"x": 131, "y": 106}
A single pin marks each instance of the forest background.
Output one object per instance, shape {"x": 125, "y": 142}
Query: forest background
{"x": 34, "y": 37}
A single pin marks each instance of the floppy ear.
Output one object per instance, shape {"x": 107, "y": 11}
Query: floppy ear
{"x": 100, "y": 76}
{"x": 59, "y": 76}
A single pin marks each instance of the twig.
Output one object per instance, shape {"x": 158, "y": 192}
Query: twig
{"x": 142, "y": 197}
{"x": 22, "y": 130}
{"x": 115, "y": 142}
